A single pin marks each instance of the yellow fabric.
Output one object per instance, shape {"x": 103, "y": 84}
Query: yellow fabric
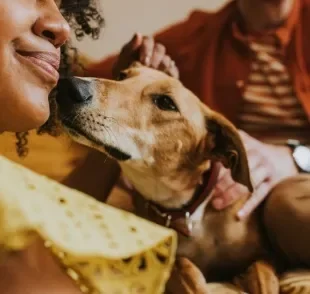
{"x": 52, "y": 157}
{"x": 105, "y": 250}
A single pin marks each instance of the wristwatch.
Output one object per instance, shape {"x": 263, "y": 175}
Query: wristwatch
{"x": 301, "y": 155}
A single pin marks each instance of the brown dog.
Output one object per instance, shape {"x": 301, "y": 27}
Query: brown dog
{"x": 168, "y": 145}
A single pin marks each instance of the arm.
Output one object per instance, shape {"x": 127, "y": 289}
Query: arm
{"x": 269, "y": 165}
{"x": 30, "y": 270}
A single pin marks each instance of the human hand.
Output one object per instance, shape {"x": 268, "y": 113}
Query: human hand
{"x": 269, "y": 164}
{"x": 148, "y": 52}
{"x": 186, "y": 278}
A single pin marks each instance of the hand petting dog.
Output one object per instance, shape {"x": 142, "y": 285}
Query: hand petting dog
{"x": 148, "y": 52}
{"x": 269, "y": 164}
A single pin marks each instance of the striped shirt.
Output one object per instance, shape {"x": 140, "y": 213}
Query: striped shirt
{"x": 271, "y": 111}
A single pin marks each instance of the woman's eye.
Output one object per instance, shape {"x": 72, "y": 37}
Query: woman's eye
{"x": 164, "y": 102}
{"x": 122, "y": 76}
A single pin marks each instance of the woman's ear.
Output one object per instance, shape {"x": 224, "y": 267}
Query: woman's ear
{"x": 223, "y": 143}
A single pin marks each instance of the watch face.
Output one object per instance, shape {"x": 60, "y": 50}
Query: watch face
{"x": 302, "y": 157}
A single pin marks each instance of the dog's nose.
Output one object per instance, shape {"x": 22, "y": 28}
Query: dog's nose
{"x": 75, "y": 89}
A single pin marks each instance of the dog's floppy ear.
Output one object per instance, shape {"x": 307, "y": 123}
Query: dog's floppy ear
{"x": 224, "y": 144}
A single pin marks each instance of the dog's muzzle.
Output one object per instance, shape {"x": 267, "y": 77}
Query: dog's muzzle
{"x": 72, "y": 94}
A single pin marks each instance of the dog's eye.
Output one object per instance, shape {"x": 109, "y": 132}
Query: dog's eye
{"x": 164, "y": 102}
{"x": 122, "y": 76}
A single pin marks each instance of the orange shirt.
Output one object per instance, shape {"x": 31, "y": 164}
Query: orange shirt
{"x": 215, "y": 61}
{"x": 271, "y": 111}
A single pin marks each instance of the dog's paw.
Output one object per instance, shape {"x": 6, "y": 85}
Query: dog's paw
{"x": 295, "y": 282}
{"x": 260, "y": 278}
{"x": 186, "y": 278}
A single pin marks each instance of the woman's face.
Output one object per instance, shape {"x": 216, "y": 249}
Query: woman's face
{"x": 32, "y": 32}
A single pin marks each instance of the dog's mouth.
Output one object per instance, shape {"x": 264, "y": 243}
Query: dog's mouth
{"x": 112, "y": 151}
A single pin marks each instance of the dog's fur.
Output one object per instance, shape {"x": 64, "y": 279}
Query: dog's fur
{"x": 164, "y": 153}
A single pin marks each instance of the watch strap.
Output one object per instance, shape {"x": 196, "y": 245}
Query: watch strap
{"x": 293, "y": 145}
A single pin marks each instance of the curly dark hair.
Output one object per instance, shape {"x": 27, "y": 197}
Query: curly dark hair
{"x": 85, "y": 19}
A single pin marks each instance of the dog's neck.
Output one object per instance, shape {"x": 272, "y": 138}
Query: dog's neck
{"x": 171, "y": 191}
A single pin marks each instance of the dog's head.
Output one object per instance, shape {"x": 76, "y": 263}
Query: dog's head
{"x": 150, "y": 120}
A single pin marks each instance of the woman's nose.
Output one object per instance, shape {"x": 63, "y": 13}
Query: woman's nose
{"x": 51, "y": 25}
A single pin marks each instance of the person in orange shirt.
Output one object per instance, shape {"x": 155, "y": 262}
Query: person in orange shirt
{"x": 249, "y": 61}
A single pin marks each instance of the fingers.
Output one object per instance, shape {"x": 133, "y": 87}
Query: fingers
{"x": 127, "y": 54}
{"x": 165, "y": 63}
{"x": 174, "y": 71}
{"x": 133, "y": 44}
{"x": 257, "y": 197}
{"x": 186, "y": 278}
{"x": 168, "y": 66}
{"x": 224, "y": 179}
{"x": 227, "y": 191}
{"x": 154, "y": 55}
{"x": 260, "y": 169}
{"x": 150, "y": 53}
{"x": 193, "y": 278}
{"x": 259, "y": 175}
{"x": 158, "y": 55}
{"x": 146, "y": 50}
{"x": 229, "y": 196}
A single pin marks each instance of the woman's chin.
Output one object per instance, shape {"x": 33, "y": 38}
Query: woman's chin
{"x": 31, "y": 122}
{"x": 38, "y": 122}
{"x": 38, "y": 110}
{"x": 29, "y": 127}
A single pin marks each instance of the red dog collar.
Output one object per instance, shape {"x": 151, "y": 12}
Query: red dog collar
{"x": 179, "y": 219}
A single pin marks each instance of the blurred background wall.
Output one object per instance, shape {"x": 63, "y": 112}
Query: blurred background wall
{"x": 125, "y": 17}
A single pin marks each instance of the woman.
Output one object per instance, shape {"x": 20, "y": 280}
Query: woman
{"x": 31, "y": 39}
{"x": 32, "y": 55}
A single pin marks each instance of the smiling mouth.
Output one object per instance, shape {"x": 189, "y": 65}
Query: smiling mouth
{"x": 110, "y": 150}
{"x": 45, "y": 64}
